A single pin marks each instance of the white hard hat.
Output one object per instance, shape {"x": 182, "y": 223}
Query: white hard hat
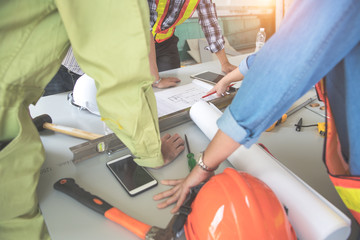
{"x": 84, "y": 94}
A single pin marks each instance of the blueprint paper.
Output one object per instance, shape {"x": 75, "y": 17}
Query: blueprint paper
{"x": 178, "y": 98}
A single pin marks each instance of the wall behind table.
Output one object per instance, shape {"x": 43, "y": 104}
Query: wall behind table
{"x": 239, "y": 30}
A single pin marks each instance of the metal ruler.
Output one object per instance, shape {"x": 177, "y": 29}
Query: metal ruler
{"x": 297, "y": 108}
{"x": 111, "y": 143}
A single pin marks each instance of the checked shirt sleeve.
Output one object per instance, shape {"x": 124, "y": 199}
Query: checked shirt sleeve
{"x": 210, "y": 25}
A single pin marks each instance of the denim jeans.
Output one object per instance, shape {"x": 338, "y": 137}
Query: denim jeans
{"x": 316, "y": 39}
{"x": 63, "y": 81}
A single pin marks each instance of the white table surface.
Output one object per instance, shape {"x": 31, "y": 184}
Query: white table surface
{"x": 67, "y": 219}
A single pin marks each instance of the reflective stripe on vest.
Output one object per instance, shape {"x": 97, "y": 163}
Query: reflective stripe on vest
{"x": 162, "y": 8}
{"x": 347, "y": 186}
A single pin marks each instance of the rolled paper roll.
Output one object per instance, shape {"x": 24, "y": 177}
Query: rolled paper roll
{"x": 311, "y": 215}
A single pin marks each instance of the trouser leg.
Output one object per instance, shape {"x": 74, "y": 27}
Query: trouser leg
{"x": 20, "y": 162}
{"x": 32, "y": 44}
{"x": 167, "y": 54}
{"x": 116, "y": 56}
{"x": 63, "y": 81}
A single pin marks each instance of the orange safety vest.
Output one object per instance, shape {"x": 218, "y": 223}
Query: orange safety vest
{"x": 162, "y": 9}
{"x": 347, "y": 186}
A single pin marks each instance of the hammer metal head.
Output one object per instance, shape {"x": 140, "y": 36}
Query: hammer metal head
{"x": 40, "y": 120}
{"x": 156, "y": 233}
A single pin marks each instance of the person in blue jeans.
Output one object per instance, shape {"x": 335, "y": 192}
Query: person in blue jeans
{"x": 317, "y": 39}
{"x": 66, "y": 77}
{"x": 63, "y": 81}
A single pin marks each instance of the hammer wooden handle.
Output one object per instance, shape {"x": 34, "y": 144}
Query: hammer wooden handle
{"x": 72, "y": 131}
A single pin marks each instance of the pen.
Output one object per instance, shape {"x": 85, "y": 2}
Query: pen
{"x": 215, "y": 91}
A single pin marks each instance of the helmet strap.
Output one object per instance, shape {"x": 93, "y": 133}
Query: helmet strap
{"x": 185, "y": 210}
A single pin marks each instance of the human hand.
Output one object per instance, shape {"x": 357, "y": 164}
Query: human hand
{"x": 220, "y": 88}
{"x": 171, "y": 147}
{"x": 227, "y": 67}
{"x": 167, "y": 82}
{"x": 181, "y": 187}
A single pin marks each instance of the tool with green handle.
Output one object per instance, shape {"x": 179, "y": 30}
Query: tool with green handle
{"x": 190, "y": 156}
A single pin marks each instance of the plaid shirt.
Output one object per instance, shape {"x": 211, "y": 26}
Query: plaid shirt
{"x": 207, "y": 19}
{"x": 70, "y": 63}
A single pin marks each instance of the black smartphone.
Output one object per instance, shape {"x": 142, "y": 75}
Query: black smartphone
{"x": 208, "y": 76}
{"x": 134, "y": 178}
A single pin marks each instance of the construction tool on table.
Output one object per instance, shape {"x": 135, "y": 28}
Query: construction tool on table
{"x": 190, "y": 156}
{"x": 142, "y": 230}
{"x": 320, "y": 126}
{"x": 44, "y": 121}
{"x": 289, "y": 113}
{"x": 111, "y": 143}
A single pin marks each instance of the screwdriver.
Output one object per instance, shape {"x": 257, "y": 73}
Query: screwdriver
{"x": 286, "y": 115}
{"x": 190, "y": 156}
{"x": 320, "y": 126}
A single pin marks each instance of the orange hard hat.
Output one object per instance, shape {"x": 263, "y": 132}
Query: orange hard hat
{"x": 236, "y": 205}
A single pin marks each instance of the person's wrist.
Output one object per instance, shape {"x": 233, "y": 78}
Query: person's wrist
{"x": 155, "y": 83}
{"x": 203, "y": 166}
{"x": 200, "y": 174}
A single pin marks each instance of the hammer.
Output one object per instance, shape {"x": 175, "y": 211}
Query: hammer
{"x": 45, "y": 122}
{"x": 142, "y": 230}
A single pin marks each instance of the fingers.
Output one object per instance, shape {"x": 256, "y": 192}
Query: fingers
{"x": 176, "y": 194}
{"x": 172, "y": 79}
{"x": 212, "y": 90}
{"x": 172, "y": 143}
{"x": 165, "y": 137}
{"x": 180, "y": 201}
{"x": 177, "y": 140}
{"x": 219, "y": 88}
{"x": 172, "y": 182}
{"x": 219, "y": 94}
{"x": 180, "y": 198}
{"x": 171, "y": 147}
{"x": 221, "y": 91}
{"x": 172, "y": 194}
{"x": 169, "y": 201}
{"x": 166, "y": 193}
{"x": 180, "y": 189}
{"x": 168, "y": 82}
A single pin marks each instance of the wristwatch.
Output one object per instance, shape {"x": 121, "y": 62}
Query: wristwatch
{"x": 203, "y": 165}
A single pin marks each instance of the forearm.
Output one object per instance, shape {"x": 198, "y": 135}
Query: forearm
{"x": 233, "y": 76}
{"x": 212, "y": 157}
{"x": 226, "y": 66}
{"x": 221, "y": 55}
{"x": 222, "y": 86}
{"x": 152, "y": 59}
